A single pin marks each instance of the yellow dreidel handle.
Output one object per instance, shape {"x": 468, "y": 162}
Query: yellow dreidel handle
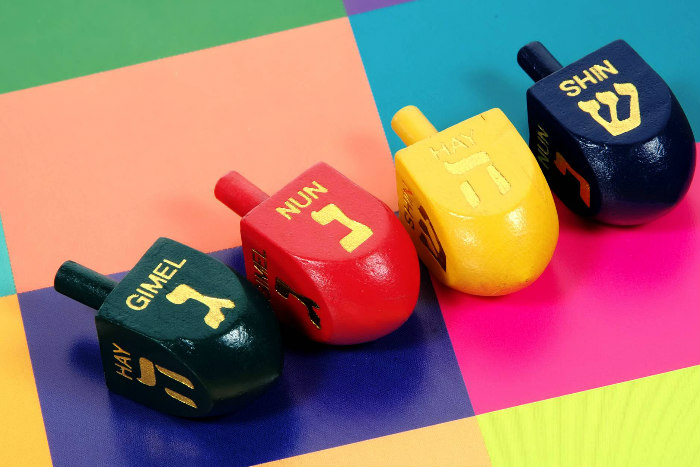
{"x": 411, "y": 125}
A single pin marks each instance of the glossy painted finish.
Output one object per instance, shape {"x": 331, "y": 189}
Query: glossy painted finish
{"x": 474, "y": 202}
{"x": 181, "y": 333}
{"x": 332, "y": 259}
{"x": 608, "y": 133}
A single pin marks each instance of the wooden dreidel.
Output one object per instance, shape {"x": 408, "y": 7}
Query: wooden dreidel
{"x": 332, "y": 259}
{"x": 474, "y": 202}
{"x": 608, "y": 133}
{"x": 181, "y": 333}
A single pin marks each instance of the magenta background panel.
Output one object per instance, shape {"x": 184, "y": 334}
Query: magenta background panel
{"x": 614, "y": 304}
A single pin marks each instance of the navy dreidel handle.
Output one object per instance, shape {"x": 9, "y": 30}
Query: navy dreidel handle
{"x": 537, "y": 61}
{"x": 83, "y": 284}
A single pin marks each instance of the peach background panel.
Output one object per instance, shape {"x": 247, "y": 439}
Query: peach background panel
{"x": 96, "y": 168}
{"x": 453, "y": 444}
{"x": 614, "y": 304}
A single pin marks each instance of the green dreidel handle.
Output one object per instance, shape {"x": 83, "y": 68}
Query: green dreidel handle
{"x": 181, "y": 333}
{"x": 83, "y": 284}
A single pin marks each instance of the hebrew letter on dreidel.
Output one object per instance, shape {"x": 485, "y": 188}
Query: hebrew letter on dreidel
{"x": 584, "y": 186}
{"x": 184, "y": 292}
{"x": 615, "y": 126}
{"x": 359, "y": 231}
{"x": 285, "y": 291}
{"x": 430, "y": 239}
{"x": 148, "y": 377}
{"x": 468, "y": 163}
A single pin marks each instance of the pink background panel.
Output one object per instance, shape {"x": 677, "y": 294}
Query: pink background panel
{"x": 613, "y": 305}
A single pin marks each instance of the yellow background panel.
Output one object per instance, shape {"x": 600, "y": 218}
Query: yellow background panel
{"x": 23, "y": 440}
{"x": 457, "y": 443}
{"x": 648, "y": 422}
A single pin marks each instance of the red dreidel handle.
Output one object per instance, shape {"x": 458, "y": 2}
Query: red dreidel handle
{"x": 238, "y": 193}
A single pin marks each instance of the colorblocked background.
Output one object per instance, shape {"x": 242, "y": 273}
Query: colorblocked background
{"x": 136, "y": 139}
{"x": 120, "y": 146}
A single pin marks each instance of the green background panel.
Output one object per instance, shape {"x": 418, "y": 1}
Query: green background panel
{"x": 650, "y": 422}
{"x": 42, "y": 42}
{"x": 7, "y": 284}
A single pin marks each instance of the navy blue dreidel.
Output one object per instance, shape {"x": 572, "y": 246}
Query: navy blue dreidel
{"x": 608, "y": 133}
{"x": 181, "y": 333}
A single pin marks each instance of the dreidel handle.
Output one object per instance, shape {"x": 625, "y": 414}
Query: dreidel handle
{"x": 537, "y": 61}
{"x": 238, "y": 193}
{"x": 83, "y": 284}
{"x": 411, "y": 125}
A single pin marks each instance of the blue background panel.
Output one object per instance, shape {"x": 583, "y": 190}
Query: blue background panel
{"x": 454, "y": 59}
{"x": 327, "y": 396}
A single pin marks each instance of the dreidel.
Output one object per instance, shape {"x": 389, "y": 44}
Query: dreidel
{"x": 608, "y": 133}
{"x": 181, "y": 333}
{"x": 474, "y": 202}
{"x": 332, "y": 259}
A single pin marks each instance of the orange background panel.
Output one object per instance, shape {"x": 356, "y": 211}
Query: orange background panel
{"x": 22, "y": 436}
{"x": 458, "y": 443}
{"x": 96, "y": 168}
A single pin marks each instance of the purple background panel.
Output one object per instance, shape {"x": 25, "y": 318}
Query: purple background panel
{"x": 327, "y": 396}
{"x": 353, "y": 7}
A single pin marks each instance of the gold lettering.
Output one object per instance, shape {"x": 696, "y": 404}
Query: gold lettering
{"x": 584, "y": 186}
{"x": 469, "y": 163}
{"x": 319, "y": 189}
{"x": 299, "y": 205}
{"x": 570, "y": 88}
{"x": 124, "y": 360}
{"x": 176, "y": 265}
{"x": 290, "y": 209}
{"x": 122, "y": 370}
{"x": 469, "y": 138}
{"x": 164, "y": 272}
{"x": 359, "y": 232}
{"x": 157, "y": 284}
{"x": 436, "y": 152}
{"x": 145, "y": 293}
{"x": 214, "y": 317}
{"x": 586, "y": 77}
{"x": 137, "y": 302}
{"x": 456, "y": 144}
{"x": 542, "y": 146}
{"x": 602, "y": 69}
{"x": 148, "y": 377}
{"x": 118, "y": 349}
{"x": 260, "y": 273}
{"x": 596, "y": 74}
{"x": 615, "y": 126}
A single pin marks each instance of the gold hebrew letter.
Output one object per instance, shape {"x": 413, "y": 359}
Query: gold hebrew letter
{"x": 430, "y": 239}
{"x": 148, "y": 377}
{"x": 184, "y": 292}
{"x": 359, "y": 232}
{"x": 585, "y": 187}
{"x": 615, "y": 126}
{"x": 285, "y": 291}
{"x": 468, "y": 163}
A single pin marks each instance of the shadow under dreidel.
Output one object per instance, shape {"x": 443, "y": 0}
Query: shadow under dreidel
{"x": 264, "y": 430}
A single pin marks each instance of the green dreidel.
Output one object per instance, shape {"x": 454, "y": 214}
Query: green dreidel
{"x": 181, "y": 333}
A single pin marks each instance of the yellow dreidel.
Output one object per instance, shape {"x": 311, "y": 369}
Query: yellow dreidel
{"x": 475, "y": 202}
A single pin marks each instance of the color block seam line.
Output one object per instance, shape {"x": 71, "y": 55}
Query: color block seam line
{"x": 587, "y": 390}
{"x": 369, "y": 84}
{"x": 7, "y": 283}
{"x": 99, "y": 72}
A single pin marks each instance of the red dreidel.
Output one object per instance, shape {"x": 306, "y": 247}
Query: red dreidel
{"x": 333, "y": 260}
{"x": 181, "y": 333}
